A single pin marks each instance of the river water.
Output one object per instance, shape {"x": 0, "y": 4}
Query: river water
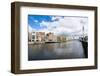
{"x": 67, "y": 50}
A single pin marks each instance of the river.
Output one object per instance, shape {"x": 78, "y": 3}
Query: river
{"x": 67, "y": 50}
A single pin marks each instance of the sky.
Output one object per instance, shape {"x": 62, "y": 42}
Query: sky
{"x": 59, "y": 25}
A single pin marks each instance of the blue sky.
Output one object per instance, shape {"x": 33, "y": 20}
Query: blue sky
{"x": 35, "y": 20}
{"x": 57, "y": 24}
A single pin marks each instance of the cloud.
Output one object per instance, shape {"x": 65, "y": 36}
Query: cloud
{"x": 56, "y": 18}
{"x": 49, "y": 25}
{"x": 72, "y": 25}
{"x": 35, "y": 20}
{"x": 64, "y": 25}
{"x": 44, "y": 24}
{"x": 30, "y": 29}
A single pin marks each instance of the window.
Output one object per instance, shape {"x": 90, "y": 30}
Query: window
{"x": 33, "y": 37}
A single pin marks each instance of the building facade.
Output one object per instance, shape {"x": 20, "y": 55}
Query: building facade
{"x": 40, "y": 36}
{"x": 50, "y": 37}
{"x": 61, "y": 39}
{"x": 36, "y": 36}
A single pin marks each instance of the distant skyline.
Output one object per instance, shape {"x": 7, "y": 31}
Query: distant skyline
{"x": 66, "y": 25}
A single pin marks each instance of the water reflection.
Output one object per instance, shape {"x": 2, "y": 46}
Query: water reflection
{"x": 68, "y": 50}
